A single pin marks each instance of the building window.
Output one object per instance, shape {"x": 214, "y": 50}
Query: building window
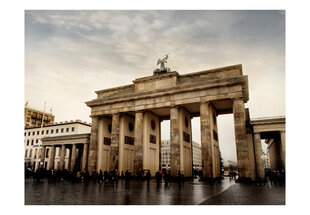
{"x": 67, "y": 129}
{"x": 46, "y": 155}
{"x": 130, "y": 126}
{"x": 35, "y": 154}
{"x": 26, "y": 153}
{"x": 27, "y": 142}
{"x": 37, "y": 140}
{"x": 25, "y": 134}
{"x": 153, "y": 124}
{"x": 33, "y": 133}
{"x": 62, "y": 130}
{"x": 52, "y": 131}
{"x": 186, "y": 122}
{"x": 42, "y": 132}
{"x": 38, "y": 132}
{"x": 72, "y": 129}
{"x": 32, "y": 142}
{"x": 46, "y": 131}
{"x": 28, "y": 133}
{"x": 57, "y": 130}
{"x": 30, "y": 153}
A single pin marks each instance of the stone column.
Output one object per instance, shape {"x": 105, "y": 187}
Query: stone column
{"x": 258, "y": 156}
{"x": 114, "y": 153}
{"x": 174, "y": 141}
{"x": 43, "y": 155}
{"x": 159, "y": 142}
{"x": 192, "y": 150}
{"x": 52, "y": 158}
{"x": 85, "y": 153}
{"x": 93, "y": 145}
{"x": 73, "y": 157}
{"x": 244, "y": 168}
{"x": 282, "y": 149}
{"x": 138, "y": 147}
{"x": 206, "y": 142}
{"x": 62, "y": 157}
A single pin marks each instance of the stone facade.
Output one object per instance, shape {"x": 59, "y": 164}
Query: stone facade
{"x": 149, "y": 100}
{"x": 273, "y": 131}
{"x": 72, "y": 153}
{"x": 39, "y": 153}
{"x": 104, "y": 144}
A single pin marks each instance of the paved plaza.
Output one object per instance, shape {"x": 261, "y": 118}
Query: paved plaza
{"x": 192, "y": 192}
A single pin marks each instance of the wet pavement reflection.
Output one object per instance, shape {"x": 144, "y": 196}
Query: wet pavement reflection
{"x": 192, "y": 192}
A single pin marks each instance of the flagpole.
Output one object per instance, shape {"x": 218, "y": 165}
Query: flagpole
{"x": 42, "y": 158}
{"x": 43, "y": 115}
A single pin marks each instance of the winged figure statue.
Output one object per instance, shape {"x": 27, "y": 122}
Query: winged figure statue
{"x": 162, "y": 68}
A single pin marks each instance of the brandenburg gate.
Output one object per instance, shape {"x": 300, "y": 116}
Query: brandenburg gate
{"x": 125, "y": 132}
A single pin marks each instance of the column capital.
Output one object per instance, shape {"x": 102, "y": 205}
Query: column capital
{"x": 238, "y": 99}
{"x": 205, "y": 102}
{"x": 139, "y": 112}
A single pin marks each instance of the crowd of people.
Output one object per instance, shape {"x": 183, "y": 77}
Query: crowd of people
{"x": 272, "y": 177}
{"x": 63, "y": 176}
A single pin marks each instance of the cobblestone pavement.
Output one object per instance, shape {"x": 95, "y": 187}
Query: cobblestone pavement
{"x": 249, "y": 194}
{"x": 191, "y": 192}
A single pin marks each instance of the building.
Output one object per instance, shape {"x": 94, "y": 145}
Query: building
{"x": 165, "y": 155}
{"x": 272, "y": 130}
{"x": 197, "y": 163}
{"x": 134, "y": 113}
{"x": 274, "y": 155}
{"x": 230, "y": 163}
{"x": 33, "y": 142}
{"x": 33, "y": 118}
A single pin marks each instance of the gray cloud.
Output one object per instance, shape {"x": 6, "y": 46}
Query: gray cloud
{"x": 70, "y": 54}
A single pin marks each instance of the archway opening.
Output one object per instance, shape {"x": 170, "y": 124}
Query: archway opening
{"x": 227, "y": 144}
{"x": 165, "y": 145}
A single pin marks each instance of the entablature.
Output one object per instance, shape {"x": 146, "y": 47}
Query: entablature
{"x": 66, "y": 140}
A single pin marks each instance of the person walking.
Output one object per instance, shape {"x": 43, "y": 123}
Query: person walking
{"x": 100, "y": 177}
{"x": 158, "y": 177}
{"x": 148, "y": 177}
{"x": 127, "y": 177}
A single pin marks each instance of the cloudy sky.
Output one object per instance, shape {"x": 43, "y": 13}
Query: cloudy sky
{"x": 71, "y": 54}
